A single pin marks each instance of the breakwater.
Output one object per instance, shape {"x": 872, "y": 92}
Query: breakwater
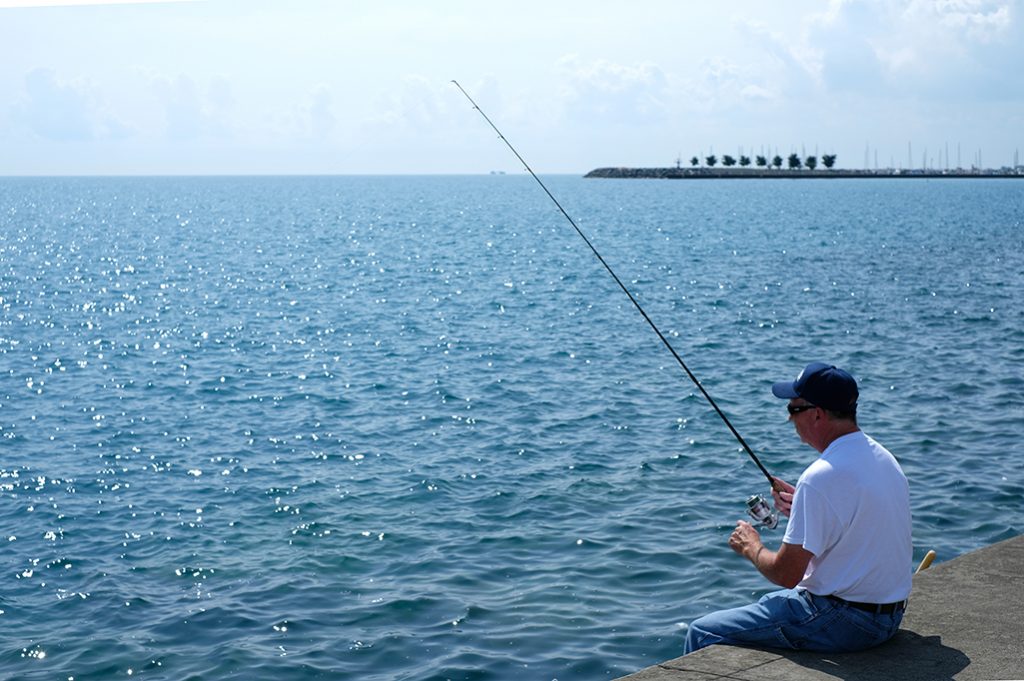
{"x": 792, "y": 174}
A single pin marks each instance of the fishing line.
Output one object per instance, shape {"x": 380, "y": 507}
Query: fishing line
{"x": 625, "y": 290}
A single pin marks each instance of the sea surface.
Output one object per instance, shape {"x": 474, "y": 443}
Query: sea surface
{"x": 385, "y": 428}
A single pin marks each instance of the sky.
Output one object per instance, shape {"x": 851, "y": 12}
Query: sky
{"x": 214, "y": 87}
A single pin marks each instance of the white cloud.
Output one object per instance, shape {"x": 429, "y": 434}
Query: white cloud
{"x": 603, "y": 91}
{"x": 320, "y": 114}
{"x": 64, "y": 111}
{"x": 756, "y": 92}
{"x": 415, "y": 103}
{"x": 191, "y": 113}
{"x": 789, "y": 64}
{"x": 976, "y": 20}
{"x": 886, "y": 49}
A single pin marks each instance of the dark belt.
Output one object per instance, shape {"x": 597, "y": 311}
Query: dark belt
{"x": 877, "y": 608}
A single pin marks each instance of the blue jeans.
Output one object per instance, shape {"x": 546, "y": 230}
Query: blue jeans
{"x": 794, "y": 619}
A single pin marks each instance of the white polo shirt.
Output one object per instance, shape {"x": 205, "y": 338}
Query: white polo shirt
{"x": 851, "y": 510}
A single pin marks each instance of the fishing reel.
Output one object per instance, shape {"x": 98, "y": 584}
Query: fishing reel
{"x": 761, "y": 512}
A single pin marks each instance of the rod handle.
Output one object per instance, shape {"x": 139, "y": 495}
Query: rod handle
{"x": 925, "y": 562}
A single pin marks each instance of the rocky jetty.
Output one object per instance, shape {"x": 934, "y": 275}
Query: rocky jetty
{"x": 788, "y": 174}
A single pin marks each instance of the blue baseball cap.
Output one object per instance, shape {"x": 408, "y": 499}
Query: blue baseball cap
{"x": 823, "y": 385}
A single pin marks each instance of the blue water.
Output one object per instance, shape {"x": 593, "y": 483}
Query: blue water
{"x": 408, "y": 428}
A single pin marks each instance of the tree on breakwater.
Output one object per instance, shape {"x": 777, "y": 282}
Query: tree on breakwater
{"x": 793, "y": 162}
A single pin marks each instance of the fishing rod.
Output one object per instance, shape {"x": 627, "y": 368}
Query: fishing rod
{"x": 625, "y": 290}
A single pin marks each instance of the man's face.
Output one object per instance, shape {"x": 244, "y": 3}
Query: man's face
{"x": 802, "y": 414}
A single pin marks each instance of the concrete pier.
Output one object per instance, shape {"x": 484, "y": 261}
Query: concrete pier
{"x": 965, "y": 622}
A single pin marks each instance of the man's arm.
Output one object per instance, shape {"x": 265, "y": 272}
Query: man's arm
{"x": 785, "y": 567}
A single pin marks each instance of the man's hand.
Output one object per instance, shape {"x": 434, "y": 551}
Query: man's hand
{"x": 783, "y": 499}
{"x": 746, "y": 541}
{"x": 785, "y": 567}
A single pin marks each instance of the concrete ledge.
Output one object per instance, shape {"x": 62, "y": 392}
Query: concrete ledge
{"x": 965, "y": 623}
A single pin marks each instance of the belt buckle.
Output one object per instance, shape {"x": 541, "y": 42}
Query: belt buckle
{"x": 891, "y": 608}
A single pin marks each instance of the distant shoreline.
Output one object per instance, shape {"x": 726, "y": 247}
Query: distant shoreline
{"x": 788, "y": 174}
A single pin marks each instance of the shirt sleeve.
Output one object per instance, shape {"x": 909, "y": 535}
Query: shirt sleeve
{"x": 812, "y": 521}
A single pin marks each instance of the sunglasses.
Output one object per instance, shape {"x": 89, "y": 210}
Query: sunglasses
{"x": 794, "y": 410}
